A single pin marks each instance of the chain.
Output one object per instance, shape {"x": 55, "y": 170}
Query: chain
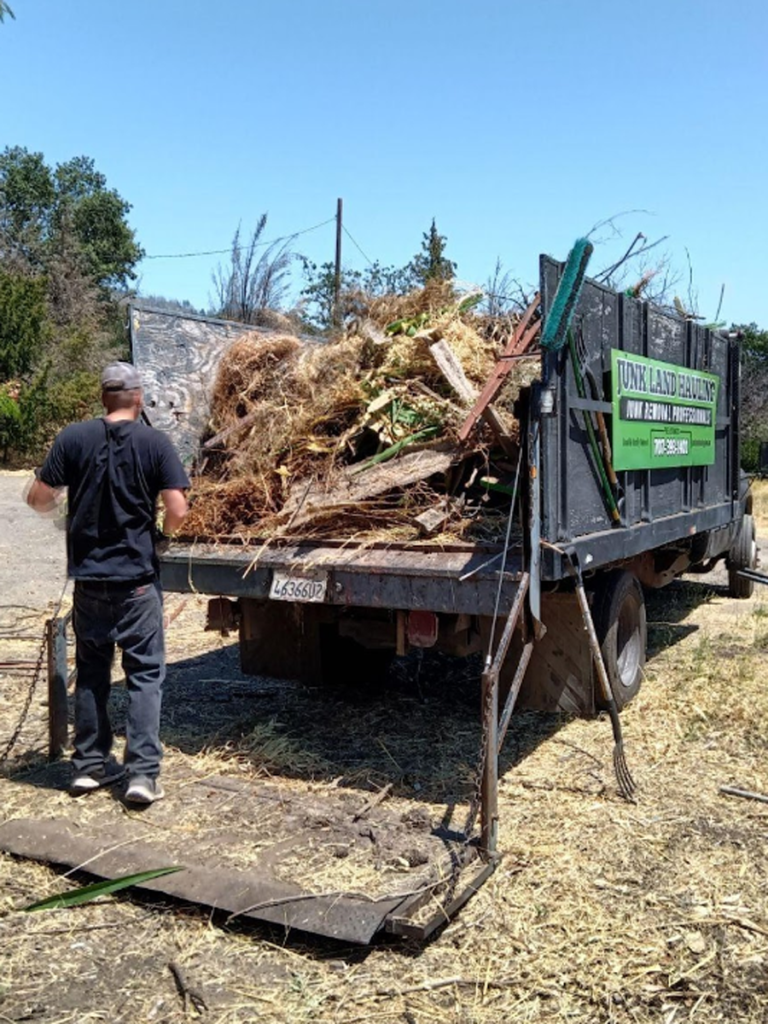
{"x": 27, "y": 702}
{"x": 477, "y": 795}
{"x": 41, "y": 657}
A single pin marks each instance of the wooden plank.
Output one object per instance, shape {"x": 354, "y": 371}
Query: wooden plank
{"x": 58, "y": 710}
{"x": 431, "y": 520}
{"x": 223, "y": 434}
{"x": 353, "y": 486}
{"x": 453, "y": 371}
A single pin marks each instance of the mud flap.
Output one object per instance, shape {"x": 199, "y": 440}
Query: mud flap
{"x": 559, "y": 676}
{"x": 560, "y": 673}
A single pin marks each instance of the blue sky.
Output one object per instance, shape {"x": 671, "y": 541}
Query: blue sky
{"x": 518, "y": 126}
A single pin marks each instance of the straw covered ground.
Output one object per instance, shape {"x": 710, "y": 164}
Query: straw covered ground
{"x": 319, "y": 438}
{"x": 599, "y": 911}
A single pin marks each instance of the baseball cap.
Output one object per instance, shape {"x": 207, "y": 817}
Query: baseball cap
{"x": 120, "y": 377}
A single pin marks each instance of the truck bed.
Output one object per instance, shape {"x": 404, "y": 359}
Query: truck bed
{"x": 451, "y": 579}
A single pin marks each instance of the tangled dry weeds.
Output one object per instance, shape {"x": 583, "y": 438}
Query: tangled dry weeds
{"x": 599, "y": 911}
{"x": 288, "y": 416}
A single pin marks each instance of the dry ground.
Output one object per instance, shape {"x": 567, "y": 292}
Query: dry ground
{"x": 600, "y": 910}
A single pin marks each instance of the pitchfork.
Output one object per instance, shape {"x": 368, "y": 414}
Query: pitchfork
{"x": 624, "y": 778}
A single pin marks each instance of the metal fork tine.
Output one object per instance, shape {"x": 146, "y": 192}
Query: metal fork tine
{"x": 624, "y": 778}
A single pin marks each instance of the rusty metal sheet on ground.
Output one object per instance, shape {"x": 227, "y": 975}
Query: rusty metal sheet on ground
{"x": 206, "y": 882}
{"x": 331, "y": 862}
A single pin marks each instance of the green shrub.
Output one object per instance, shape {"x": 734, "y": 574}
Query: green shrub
{"x": 24, "y": 328}
{"x": 31, "y": 414}
{"x": 76, "y": 397}
{"x": 750, "y": 455}
{"x": 10, "y": 419}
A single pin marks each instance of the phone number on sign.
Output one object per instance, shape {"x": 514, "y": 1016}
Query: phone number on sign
{"x": 670, "y": 445}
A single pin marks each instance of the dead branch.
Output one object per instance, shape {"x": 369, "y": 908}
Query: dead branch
{"x": 631, "y": 253}
{"x": 379, "y": 798}
{"x": 185, "y": 990}
{"x": 746, "y": 794}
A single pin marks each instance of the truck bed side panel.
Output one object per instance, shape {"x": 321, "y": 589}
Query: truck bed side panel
{"x": 660, "y": 505}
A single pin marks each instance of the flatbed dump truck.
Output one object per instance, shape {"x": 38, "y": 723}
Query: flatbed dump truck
{"x": 667, "y": 392}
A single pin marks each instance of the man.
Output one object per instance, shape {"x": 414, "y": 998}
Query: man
{"x": 114, "y": 468}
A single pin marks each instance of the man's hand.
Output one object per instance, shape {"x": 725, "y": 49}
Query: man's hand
{"x": 43, "y": 499}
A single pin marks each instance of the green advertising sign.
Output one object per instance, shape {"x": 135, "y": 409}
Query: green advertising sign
{"x": 663, "y": 414}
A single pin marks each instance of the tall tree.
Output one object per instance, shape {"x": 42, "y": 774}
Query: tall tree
{"x": 41, "y": 208}
{"x": 431, "y": 263}
{"x": 5, "y": 9}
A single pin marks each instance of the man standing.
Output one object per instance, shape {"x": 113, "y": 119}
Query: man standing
{"x": 115, "y": 468}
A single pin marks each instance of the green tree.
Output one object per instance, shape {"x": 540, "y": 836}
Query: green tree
{"x": 27, "y": 198}
{"x": 44, "y": 209}
{"x": 23, "y": 323}
{"x": 357, "y": 289}
{"x": 753, "y": 408}
{"x": 317, "y": 302}
{"x": 5, "y": 9}
{"x": 431, "y": 263}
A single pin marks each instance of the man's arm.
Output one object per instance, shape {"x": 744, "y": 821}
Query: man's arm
{"x": 42, "y": 498}
{"x": 45, "y": 492}
{"x": 175, "y": 505}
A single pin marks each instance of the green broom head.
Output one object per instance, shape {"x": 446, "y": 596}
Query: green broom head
{"x": 567, "y": 295}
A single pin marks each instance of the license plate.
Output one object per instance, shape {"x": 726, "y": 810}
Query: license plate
{"x": 309, "y": 587}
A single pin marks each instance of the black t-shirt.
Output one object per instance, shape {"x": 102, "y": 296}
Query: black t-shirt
{"x": 114, "y": 472}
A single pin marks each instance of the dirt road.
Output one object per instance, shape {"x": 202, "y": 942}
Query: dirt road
{"x": 33, "y": 567}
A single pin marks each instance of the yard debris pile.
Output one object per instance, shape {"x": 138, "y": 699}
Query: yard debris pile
{"x": 358, "y": 435}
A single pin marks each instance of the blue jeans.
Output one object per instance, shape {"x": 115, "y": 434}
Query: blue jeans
{"x": 131, "y": 617}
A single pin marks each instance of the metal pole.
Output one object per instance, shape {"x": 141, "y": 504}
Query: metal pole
{"x": 534, "y": 510}
{"x": 337, "y": 272}
{"x": 489, "y": 789}
{"x": 57, "y": 688}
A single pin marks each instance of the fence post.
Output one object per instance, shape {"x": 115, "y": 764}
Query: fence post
{"x": 57, "y": 687}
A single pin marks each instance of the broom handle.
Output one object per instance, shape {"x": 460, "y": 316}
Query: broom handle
{"x": 601, "y": 472}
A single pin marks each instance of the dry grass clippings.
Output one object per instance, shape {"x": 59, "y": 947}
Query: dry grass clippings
{"x": 599, "y": 910}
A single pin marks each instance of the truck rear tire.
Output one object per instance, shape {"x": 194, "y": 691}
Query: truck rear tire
{"x": 620, "y": 621}
{"x": 743, "y": 555}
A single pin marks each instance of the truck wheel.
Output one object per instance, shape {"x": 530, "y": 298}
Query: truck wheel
{"x": 619, "y": 615}
{"x": 743, "y": 555}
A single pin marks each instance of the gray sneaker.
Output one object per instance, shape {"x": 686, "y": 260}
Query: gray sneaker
{"x": 96, "y": 778}
{"x": 143, "y": 790}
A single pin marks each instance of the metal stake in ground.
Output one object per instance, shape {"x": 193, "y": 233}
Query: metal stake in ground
{"x": 624, "y": 779}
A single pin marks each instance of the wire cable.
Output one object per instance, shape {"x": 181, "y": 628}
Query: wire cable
{"x": 356, "y": 245}
{"x": 237, "y": 248}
